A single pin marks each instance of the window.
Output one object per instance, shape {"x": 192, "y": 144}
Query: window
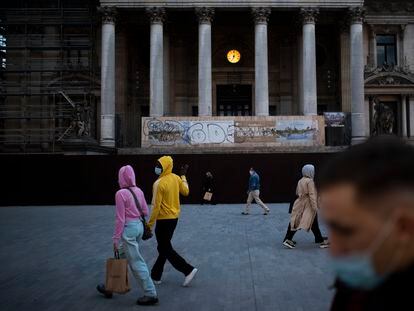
{"x": 386, "y": 50}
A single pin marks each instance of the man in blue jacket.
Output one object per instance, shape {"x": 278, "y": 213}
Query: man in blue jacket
{"x": 254, "y": 193}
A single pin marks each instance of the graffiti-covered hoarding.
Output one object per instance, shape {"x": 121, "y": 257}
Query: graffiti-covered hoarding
{"x": 233, "y": 131}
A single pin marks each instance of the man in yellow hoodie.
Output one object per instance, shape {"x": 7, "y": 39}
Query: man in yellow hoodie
{"x": 165, "y": 213}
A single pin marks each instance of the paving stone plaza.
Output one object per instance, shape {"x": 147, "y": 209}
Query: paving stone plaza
{"x": 53, "y": 257}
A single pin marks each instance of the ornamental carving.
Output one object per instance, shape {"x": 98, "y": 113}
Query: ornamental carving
{"x": 108, "y": 14}
{"x": 388, "y": 75}
{"x": 356, "y": 15}
{"x": 309, "y": 15}
{"x": 390, "y": 6}
{"x": 156, "y": 14}
{"x": 205, "y": 15}
{"x": 261, "y": 15}
{"x": 383, "y": 119}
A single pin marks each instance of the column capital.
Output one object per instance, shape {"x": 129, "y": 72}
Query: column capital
{"x": 356, "y": 15}
{"x": 261, "y": 15}
{"x": 205, "y": 15}
{"x": 309, "y": 15}
{"x": 156, "y": 14}
{"x": 108, "y": 14}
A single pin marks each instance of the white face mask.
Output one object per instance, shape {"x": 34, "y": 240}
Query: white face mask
{"x": 158, "y": 171}
{"x": 251, "y": 172}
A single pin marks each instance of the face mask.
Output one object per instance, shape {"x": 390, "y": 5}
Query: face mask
{"x": 358, "y": 270}
{"x": 158, "y": 171}
{"x": 251, "y": 173}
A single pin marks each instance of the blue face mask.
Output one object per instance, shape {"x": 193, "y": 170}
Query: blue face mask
{"x": 357, "y": 270}
{"x": 158, "y": 171}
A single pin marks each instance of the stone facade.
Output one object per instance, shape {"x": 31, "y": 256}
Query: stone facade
{"x": 326, "y": 62}
{"x": 212, "y": 59}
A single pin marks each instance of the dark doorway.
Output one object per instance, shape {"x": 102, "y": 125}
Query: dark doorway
{"x": 234, "y": 100}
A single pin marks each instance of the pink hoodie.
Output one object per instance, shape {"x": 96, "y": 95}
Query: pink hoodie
{"x": 126, "y": 209}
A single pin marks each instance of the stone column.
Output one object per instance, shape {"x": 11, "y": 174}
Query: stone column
{"x": 261, "y": 17}
{"x": 157, "y": 16}
{"x": 404, "y": 115}
{"x": 107, "y": 134}
{"x": 205, "y": 17}
{"x": 410, "y": 100}
{"x": 359, "y": 126}
{"x": 309, "y": 101}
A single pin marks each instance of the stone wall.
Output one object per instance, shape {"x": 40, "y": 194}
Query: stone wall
{"x": 223, "y": 132}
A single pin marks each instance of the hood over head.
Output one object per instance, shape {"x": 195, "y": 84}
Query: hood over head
{"x": 126, "y": 177}
{"x": 308, "y": 171}
{"x": 167, "y": 165}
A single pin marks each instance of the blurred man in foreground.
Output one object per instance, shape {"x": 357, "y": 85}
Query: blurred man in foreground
{"x": 367, "y": 200}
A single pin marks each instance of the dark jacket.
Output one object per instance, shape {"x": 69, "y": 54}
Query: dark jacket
{"x": 254, "y": 182}
{"x": 395, "y": 294}
{"x": 208, "y": 184}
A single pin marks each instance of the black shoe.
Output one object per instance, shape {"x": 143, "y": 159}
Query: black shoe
{"x": 101, "y": 288}
{"x": 147, "y": 301}
{"x": 244, "y": 213}
{"x": 289, "y": 244}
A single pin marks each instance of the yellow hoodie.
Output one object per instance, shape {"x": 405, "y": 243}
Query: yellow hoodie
{"x": 166, "y": 193}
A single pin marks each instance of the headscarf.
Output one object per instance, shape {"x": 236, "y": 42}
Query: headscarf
{"x": 308, "y": 171}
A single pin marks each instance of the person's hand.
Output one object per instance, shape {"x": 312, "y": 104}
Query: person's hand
{"x": 115, "y": 248}
{"x": 184, "y": 169}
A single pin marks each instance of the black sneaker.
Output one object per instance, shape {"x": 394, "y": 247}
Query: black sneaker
{"x": 147, "y": 301}
{"x": 101, "y": 289}
{"x": 289, "y": 244}
{"x": 244, "y": 213}
{"x": 325, "y": 244}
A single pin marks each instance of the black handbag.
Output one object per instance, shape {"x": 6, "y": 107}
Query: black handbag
{"x": 147, "y": 230}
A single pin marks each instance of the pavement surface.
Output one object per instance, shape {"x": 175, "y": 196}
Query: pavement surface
{"x": 53, "y": 257}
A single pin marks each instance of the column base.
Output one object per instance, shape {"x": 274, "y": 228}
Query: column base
{"x": 107, "y": 130}
{"x": 107, "y": 143}
{"x": 358, "y": 140}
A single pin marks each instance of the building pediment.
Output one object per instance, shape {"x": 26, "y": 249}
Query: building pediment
{"x": 389, "y": 76}
{"x": 232, "y": 3}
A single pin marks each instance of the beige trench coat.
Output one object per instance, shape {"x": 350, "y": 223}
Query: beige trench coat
{"x": 306, "y": 206}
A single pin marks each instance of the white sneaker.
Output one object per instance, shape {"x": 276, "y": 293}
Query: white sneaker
{"x": 157, "y": 282}
{"x": 190, "y": 277}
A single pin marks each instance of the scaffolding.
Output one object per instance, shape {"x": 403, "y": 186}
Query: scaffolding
{"x": 49, "y": 87}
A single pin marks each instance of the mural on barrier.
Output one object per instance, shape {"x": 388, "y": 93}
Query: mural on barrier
{"x": 233, "y": 131}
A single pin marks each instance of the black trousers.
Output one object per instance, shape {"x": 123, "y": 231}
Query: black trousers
{"x": 164, "y": 232}
{"x": 315, "y": 230}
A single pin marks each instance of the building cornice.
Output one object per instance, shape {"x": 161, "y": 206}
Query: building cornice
{"x": 338, "y": 4}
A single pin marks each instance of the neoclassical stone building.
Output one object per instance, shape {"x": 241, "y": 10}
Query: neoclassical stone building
{"x": 207, "y": 59}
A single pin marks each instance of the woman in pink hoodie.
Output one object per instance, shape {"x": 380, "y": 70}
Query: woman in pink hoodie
{"x": 128, "y": 233}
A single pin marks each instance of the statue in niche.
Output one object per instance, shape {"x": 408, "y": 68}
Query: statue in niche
{"x": 383, "y": 118}
{"x": 80, "y": 122}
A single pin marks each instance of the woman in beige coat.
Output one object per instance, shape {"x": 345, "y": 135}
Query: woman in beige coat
{"x": 305, "y": 210}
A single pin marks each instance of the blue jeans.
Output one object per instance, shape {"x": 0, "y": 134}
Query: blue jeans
{"x": 131, "y": 236}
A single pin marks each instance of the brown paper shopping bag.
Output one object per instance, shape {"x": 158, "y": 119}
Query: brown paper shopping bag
{"x": 117, "y": 275}
{"x": 208, "y": 196}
